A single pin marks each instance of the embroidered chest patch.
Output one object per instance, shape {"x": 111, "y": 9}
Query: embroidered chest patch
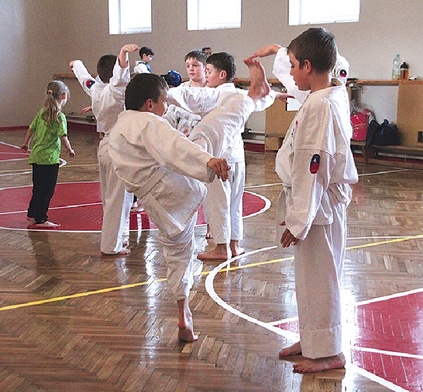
{"x": 314, "y": 163}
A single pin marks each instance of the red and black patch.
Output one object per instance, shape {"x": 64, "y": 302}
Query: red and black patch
{"x": 89, "y": 83}
{"x": 314, "y": 163}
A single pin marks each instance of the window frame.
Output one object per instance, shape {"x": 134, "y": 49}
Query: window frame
{"x": 297, "y": 16}
{"x": 198, "y": 12}
{"x": 116, "y": 25}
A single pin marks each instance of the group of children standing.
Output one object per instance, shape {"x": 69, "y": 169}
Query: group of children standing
{"x": 137, "y": 155}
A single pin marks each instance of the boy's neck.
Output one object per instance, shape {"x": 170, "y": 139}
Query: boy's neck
{"x": 320, "y": 81}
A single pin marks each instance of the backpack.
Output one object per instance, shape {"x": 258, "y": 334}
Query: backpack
{"x": 384, "y": 134}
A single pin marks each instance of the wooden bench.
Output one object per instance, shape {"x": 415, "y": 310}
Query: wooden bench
{"x": 406, "y": 156}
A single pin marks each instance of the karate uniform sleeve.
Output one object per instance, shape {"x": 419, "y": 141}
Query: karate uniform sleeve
{"x": 170, "y": 148}
{"x": 311, "y": 169}
{"x": 282, "y": 69}
{"x": 83, "y": 76}
{"x": 199, "y": 100}
{"x": 215, "y": 133}
{"x": 119, "y": 81}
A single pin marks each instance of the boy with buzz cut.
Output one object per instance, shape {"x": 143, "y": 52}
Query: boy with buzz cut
{"x": 223, "y": 204}
{"x": 316, "y": 167}
{"x": 166, "y": 171}
{"x": 107, "y": 99}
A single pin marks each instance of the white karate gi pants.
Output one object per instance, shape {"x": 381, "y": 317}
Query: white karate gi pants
{"x": 116, "y": 203}
{"x": 178, "y": 252}
{"x": 223, "y": 205}
{"x": 319, "y": 260}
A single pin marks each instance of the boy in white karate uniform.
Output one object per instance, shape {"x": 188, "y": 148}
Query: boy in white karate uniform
{"x": 108, "y": 100}
{"x": 166, "y": 171}
{"x": 316, "y": 166}
{"x": 223, "y": 204}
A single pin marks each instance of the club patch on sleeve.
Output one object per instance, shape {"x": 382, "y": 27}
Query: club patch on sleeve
{"x": 89, "y": 83}
{"x": 314, "y": 163}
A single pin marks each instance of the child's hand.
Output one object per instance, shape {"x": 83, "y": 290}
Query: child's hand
{"x": 220, "y": 167}
{"x": 264, "y": 51}
{"x": 129, "y": 48}
{"x": 71, "y": 153}
{"x": 87, "y": 109}
{"x": 287, "y": 238}
{"x": 25, "y": 147}
{"x": 71, "y": 64}
{"x": 283, "y": 96}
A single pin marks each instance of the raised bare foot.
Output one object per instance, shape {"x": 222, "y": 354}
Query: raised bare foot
{"x": 294, "y": 349}
{"x": 320, "y": 364}
{"x": 214, "y": 254}
{"x": 259, "y": 86}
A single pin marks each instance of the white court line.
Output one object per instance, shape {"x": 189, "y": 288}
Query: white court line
{"x": 293, "y": 336}
{"x": 55, "y": 208}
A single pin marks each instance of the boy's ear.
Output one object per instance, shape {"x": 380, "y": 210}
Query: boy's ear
{"x": 308, "y": 66}
{"x": 149, "y": 105}
{"x": 223, "y": 75}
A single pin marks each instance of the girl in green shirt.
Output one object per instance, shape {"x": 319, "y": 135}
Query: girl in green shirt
{"x": 47, "y": 132}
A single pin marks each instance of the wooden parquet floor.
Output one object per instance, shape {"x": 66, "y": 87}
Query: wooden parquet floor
{"x": 73, "y": 321}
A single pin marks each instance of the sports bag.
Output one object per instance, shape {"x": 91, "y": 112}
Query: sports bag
{"x": 384, "y": 134}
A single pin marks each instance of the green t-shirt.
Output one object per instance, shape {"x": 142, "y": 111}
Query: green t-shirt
{"x": 46, "y": 143}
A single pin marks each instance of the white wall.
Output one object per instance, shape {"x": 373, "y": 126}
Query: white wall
{"x": 39, "y": 37}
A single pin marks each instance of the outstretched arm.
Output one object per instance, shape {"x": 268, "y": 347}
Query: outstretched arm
{"x": 265, "y": 51}
{"x": 123, "y": 55}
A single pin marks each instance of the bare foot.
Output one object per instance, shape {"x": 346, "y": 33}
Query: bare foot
{"x": 44, "y": 225}
{"x": 123, "y": 252}
{"x": 320, "y": 364}
{"x": 259, "y": 86}
{"x": 215, "y": 254}
{"x": 289, "y": 351}
{"x": 235, "y": 249}
{"x": 185, "y": 324}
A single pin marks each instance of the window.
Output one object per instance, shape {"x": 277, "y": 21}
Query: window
{"x": 129, "y": 16}
{"x": 303, "y": 12}
{"x": 213, "y": 15}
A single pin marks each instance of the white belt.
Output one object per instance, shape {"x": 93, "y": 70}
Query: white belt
{"x": 153, "y": 180}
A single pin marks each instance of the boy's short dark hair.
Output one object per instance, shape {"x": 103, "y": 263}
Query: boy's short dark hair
{"x": 223, "y": 61}
{"x": 147, "y": 51}
{"x": 105, "y": 67}
{"x": 142, "y": 87}
{"x": 197, "y": 54}
{"x": 316, "y": 45}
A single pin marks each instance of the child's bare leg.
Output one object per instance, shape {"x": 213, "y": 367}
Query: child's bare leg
{"x": 220, "y": 252}
{"x": 320, "y": 364}
{"x": 294, "y": 349}
{"x": 259, "y": 86}
{"x": 185, "y": 324}
{"x": 236, "y": 250}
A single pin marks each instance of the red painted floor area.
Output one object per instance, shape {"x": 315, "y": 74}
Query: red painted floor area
{"x": 10, "y": 153}
{"x": 77, "y": 207}
{"x": 388, "y": 339}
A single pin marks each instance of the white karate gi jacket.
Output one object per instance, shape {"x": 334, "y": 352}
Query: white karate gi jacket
{"x": 108, "y": 100}
{"x": 140, "y": 144}
{"x": 318, "y": 138}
